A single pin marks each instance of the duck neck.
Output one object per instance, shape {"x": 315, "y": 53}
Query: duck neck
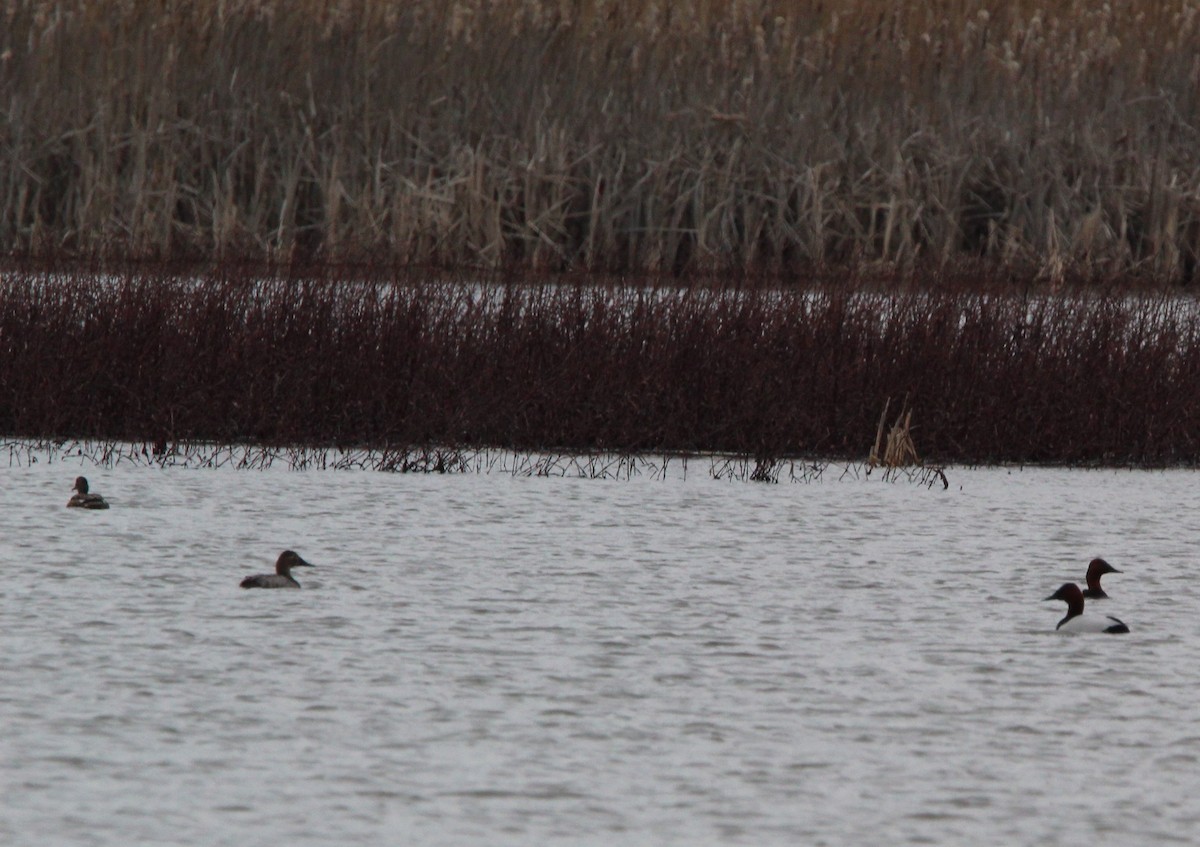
{"x": 1074, "y": 610}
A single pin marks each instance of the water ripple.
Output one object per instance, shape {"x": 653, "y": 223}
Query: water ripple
{"x": 496, "y": 660}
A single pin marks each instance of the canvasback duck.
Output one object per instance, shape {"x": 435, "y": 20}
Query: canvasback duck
{"x": 81, "y": 499}
{"x": 282, "y": 578}
{"x": 1075, "y": 620}
{"x": 1096, "y": 569}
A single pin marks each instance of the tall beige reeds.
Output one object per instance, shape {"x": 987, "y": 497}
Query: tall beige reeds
{"x": 895, "y": 447}
{"x": 762, "y": 135}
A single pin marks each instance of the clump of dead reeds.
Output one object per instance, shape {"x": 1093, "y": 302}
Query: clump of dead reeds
{"x": 897, "y": 450}
{"x": 634, "y": 136}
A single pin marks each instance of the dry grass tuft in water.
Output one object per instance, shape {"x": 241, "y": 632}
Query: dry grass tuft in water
{"x": 898, "y": 454}
{"x": 899, "y": 451}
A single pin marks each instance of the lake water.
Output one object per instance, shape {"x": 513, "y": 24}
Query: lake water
{"x": 490, "y": 659}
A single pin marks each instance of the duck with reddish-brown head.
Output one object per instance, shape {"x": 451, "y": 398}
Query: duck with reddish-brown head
{"x": 1096, "y": 569}
{"x": 1076, "y": 620}
{"x": 282, "y": 578}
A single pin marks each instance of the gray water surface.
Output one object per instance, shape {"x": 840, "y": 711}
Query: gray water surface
{"x": 483, "y": 659}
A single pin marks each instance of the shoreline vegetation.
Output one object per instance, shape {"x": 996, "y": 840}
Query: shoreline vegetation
{"x": 868, "y": 231}
{"x": 1049, "y": 141}
{"x": 400, "y": 362}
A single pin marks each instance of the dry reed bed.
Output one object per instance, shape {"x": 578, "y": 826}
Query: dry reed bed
{"x": 230, "y": 359}
{"x": 615, "y": 134}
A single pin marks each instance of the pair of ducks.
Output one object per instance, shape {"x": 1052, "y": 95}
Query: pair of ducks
{"x": 282, "y": 578}
{"x": 1071, "y": 594}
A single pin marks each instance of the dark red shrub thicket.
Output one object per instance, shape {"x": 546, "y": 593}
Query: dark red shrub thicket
{"x": 229, "y": 357}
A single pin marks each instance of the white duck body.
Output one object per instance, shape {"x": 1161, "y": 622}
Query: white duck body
{"x": 1076, "y": 621}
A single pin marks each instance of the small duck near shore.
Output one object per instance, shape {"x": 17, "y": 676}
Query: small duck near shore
{"x": 282, "y": 578}
{"x": 1076, "y": 621}
{"x": 84, "y": 500}
{"x": 1096, "y": 569}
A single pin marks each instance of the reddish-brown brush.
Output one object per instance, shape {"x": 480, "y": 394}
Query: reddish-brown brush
{"x": 229, "y": 357}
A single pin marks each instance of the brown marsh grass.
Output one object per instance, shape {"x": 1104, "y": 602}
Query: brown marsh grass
{"x": 231, "y": 358}
{"x": 764, "y": 136}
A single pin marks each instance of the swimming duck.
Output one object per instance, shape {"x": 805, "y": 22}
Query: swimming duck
{"x": 1096, "y": 569}
{"x": 82, "y": 500}
{"x": 282, "y": 578}
{"x": 1075, "y": 621}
